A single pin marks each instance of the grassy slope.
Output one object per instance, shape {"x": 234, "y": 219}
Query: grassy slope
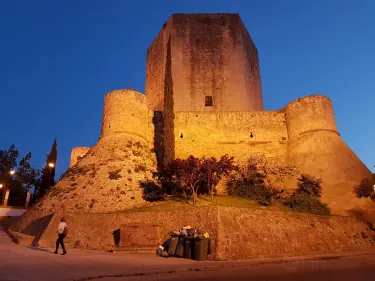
{"x": 205, "y": 201}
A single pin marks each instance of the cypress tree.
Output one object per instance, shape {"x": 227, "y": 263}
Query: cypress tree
{"x": 48, "y": 173}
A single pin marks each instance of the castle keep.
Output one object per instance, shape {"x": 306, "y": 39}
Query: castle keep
{"x": 203, "y": 98}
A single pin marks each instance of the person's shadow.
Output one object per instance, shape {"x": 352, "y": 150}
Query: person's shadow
{"x": 38, "y": 249}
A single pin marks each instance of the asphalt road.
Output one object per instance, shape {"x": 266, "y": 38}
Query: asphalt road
{"x": 18, "y": 263}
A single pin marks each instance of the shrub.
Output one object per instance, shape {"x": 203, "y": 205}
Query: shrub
{"x": 310, "y": 185}
{"x": 273, "y": 168}
{"x": 305, "y": 203}
{"x": 365, "y": 189}
{"x": 152, "y": 192}
{"x": 248, "y": 183}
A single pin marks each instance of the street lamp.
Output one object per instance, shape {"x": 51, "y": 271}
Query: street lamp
{"x": 51, "y": 166}
{"x": 12, "y": 172}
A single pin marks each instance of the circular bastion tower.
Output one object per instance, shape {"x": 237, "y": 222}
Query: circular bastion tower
{"x": 315, "y": 146}
{"x": 108, "y": 176}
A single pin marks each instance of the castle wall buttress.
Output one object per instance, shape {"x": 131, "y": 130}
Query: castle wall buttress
{"x": 315, "y": 146}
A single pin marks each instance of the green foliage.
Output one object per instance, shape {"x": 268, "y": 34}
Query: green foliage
{"x": 303, "y": 202}
{"x": 307, "y": 196}
{"x": 310, "y": 185}
{"x": 274, "y": 170}
{"x": 365, "y": 189}
{"x": 214, "y": 170}
{"x": 25, "y": 176}
{"x": 152, "y": 192}
{"x": 248, "y": 182}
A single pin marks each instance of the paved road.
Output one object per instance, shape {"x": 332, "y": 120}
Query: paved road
{"x": 342, "y": 270}
{"x": 18, "y": 263}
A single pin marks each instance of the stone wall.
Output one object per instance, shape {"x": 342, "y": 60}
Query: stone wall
{"x": 236, "y": 233}
{"x": 77, "y": 154}
{"x": 156, "y": 65}
{"x": 261, "y": 233}
{"x": 238, "y": 134}
{"x": 126, "y": 112}
{"x": 325, "y": 155}
{"x": 96, "y": 231}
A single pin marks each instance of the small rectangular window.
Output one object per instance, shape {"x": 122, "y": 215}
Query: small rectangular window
{"x": 208, "y": 101}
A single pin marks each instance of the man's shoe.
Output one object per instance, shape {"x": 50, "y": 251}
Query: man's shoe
{"x": 64, "y": 253}
{"x": 55, "y": 252}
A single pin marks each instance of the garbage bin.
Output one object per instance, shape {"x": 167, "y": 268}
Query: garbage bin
{"x": 180, "y": 248}
{"x": 173, "y": 245}
{"x": 201, "y": 248}
{"x": 188, "y": 249}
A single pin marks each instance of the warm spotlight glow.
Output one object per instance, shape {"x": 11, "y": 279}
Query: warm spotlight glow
{"x": 12, "y": 172}
{"x": 1, "y": 185}
{"x": 51, "y": 165}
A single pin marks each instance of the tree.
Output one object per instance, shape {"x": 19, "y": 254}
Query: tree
{"x": 48, "y": 173}
{"x": 214, "y": 170}
{"x": 15, "y": 175}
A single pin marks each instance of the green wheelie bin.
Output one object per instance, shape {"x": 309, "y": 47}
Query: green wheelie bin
{"x": 189, "y": 247}
{"x": 173, "y": 245}
{"x": 201, "y": 248}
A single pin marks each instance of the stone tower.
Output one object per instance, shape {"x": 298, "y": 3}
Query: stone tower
{"x": 203, "y": 62}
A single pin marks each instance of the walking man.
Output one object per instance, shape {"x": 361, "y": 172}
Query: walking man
{"x": 62, "y": 231}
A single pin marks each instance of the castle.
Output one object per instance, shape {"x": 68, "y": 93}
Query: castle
{"x": 203, "y": 98}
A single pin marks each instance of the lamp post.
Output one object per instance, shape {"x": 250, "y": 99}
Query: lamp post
{"x": 51, "y": 166}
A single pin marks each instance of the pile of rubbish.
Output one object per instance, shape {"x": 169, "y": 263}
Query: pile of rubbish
{"x": 188, "y": 243}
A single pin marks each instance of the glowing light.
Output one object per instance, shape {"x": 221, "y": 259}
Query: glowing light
{"x": 51, "y": 165}
{"x": 1, "y": 185}
{"x": 12, "y": 172}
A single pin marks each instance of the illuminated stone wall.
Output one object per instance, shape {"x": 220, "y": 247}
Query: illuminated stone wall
{"x": 77, "y": 154}
{"x": 210, "y": 55}
{"x": 238, "y": 134}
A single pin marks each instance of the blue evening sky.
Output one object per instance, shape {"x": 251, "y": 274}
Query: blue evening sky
{"x": 58, "y": 58}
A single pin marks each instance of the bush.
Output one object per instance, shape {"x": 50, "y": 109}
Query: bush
{"x": 310, "y": 185}
{"x": 152, "y": 192}
{"x": 365, "y": 189}
{"x": 305, "y": 203}
{"x": 249, "y": 183}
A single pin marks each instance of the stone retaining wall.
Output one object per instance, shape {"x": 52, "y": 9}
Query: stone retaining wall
{"x": 236, "y": 233}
